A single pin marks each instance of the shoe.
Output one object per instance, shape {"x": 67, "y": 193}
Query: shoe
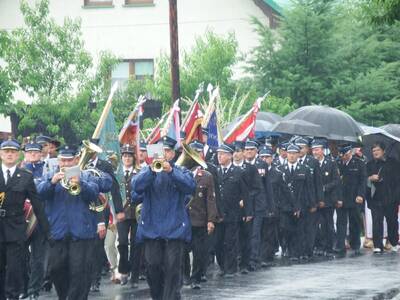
{"x": 294, "y": 259}
{"x": 356, "y": 253}
{"x": 124, "y": 279}
{"x": 186, "y": 281}
{"x": 34, "y": 297}
{"x": 47, "y": 285}
{"x": 203, "y": 278}
{"x": 244, "y": 271}
{"x": 195, "y": 286}
{"x": 304, "y": 259}
{"x": 267, "y": 264}
{"x": 395, "y": 248}
{"x": 388, "y": 246}
{"x": 377, "y": 251}
{"x": 368, "y": 243}
{"x": 95, "y": 288}
{"x": 329, "y": 255}
{"x": 142, "y": 277}
{"x": 229, "y": 275}
{"x": 134, "y": 285}
{"x": 23, "y": 296}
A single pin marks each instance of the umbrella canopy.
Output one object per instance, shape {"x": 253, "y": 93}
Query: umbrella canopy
{"x": 261, "y": 126}
{"x": 373, "y": 135}
{"x": 393, "y": 129}
{"x": 299, "y": 127}
{"x": 334, "y": 124}
{"x": 268, "y": 116}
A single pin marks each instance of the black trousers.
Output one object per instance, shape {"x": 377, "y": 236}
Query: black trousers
{"x": 390, "y": 212}
{"x": 268, "y": 239}
{"x": 199, "y": 248}
{"x": 292, "y": 230}
{"x": 352, "y": 215}
{"x": 12, "y": 268}
{"x": 129, "y": 250}
{"x": 325, "y": 234}
{"x": 245, "y": 235}
{"x": 164, "y": 268}
{"x": 226, "y": 247}
{"x": 69, "y": 264}
{"x": 310, "y": 232}
{"x": 37, "y": 261}
{"x": 97, "y": 260}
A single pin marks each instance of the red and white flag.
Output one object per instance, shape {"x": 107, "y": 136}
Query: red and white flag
{"x": 245, "y": 128}
{"x": 130, "y": 132}
{"x": 192, "y": 123}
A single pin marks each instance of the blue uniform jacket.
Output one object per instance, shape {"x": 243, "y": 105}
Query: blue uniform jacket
{"x": 69, "y": 215}
{"x": 35, "y": 168}
{"x": 164, "y": 196}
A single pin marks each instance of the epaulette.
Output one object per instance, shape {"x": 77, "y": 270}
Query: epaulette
{"x": 26, "y": 170}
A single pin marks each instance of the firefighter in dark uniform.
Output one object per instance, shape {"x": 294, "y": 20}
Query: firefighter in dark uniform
{"x": 203, "y": 215}
{"x": 210, "y": 155}
{"x": 317, "y": 194}
{"x": 353, "y": 187}
{"x": 264, "y": 225}
{"x": 281, "y": 158}
{"x": 383, "y": 198}
{"x": 16, "y": 185}
{"x": 129, "y": 250}
{"x": 330, "y": 186}
{"x": 299, "y": 180}
{"x": 231, "y": 191}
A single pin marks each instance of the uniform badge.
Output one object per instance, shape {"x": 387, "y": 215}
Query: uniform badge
{"x": 326, "y": 173}
{"x": 200, "y": 194}
{"x": 18, "y": 175}
{"x": 2, "y": 197}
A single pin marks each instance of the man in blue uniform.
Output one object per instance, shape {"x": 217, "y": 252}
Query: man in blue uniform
{"x": 73, "y": 226}
{"x": 164, "y": 225}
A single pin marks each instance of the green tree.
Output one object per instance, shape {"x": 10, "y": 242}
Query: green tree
{"x": 381, "y": 12}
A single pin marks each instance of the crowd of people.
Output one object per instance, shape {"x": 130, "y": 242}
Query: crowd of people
{"x": 240, "y": 207}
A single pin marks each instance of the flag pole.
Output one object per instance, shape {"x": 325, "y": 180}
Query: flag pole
{"x": 104, "y": 114}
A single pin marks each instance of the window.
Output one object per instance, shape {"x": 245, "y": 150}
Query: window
{"x": 133, "y": 2}
{"x": 98, "y": 2}
{"x": 132, "y": 68}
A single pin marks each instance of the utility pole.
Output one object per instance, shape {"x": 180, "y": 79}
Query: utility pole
{"x": 173, "y": 30}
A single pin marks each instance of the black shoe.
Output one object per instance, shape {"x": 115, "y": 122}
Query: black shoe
{"x": 95, "y": 288}
{"x": 252, "y": 268}
{"x": 203, "y": 278}
{"x": 356, "y": 253}
{"x": 329, "y": 255}
{"x": 294, "y": 259}
{"x": 195, "y": 286}
{"x": 267, "y": 264}
{"x": 34, "y": 297}
{"x": 142, "y": 277}
{"x": 186, "y": 281}
{"x": 47, "y": 285}
{"x": 23, "y": 296}
{"x": 134, "y": 285}
{"x": 244, "y": 271}
{"x": 304, "y": 259}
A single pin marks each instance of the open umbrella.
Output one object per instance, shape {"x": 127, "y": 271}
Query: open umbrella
{"x": 373, "y": 135}
{"x": 393, "y": 129}
{"x": 334, "y": 124}
{"x": 299, "y": 127}
{"x": 268, "y": 116}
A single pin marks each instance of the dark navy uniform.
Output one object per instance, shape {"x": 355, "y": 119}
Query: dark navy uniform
{"x": 353, "y": 184}
{"x": 14, "y": 190}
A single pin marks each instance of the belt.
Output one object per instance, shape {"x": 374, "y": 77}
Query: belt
{"x": 5, "y": 214}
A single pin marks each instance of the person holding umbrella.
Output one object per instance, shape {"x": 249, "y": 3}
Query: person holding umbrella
{"x": 383, "y": 177}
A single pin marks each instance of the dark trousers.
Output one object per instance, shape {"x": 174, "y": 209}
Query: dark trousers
{"x": 164, "y": 268}
{"x": 245, "y": 236}
{"x": 390, "y": 212}
{"x": 12, "y": 268}
{"x": 325, "y": 234}
{"x": 129, "y": 250}
{"x": 226, "y": 247}
{"x": 37, "y": 261}
{"x": 353, "y": 216}
{"x": 292, "y": 231}
{"x": 268, "y": 239}
{"x": 97, "y": 260}
{"x": 310, "y": 231}
{"x": 69, "y": 264}
{"x": 199, "y": 248}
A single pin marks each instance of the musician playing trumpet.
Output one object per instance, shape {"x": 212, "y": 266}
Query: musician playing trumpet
{"x": 164, "y": 225}
{"x": 74, "y": 226}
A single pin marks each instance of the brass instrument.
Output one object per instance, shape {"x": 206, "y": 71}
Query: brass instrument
{"x": 188, "y": 159}
{"x": 157, "y": 165}
{"x": 88, "y": 149}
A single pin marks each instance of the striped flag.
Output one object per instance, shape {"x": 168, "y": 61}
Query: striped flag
{"x": 130, "y": 132}
{"x": 192, "y": 123}
{"x": 172, "y": 126}
{"x": 245, "y": 128}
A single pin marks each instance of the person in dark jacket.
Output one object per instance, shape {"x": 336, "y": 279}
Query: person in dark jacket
{"x": 164, "y": 225}
{"x": 383, "y": 197}
{"x": 330, "y": 187}
{"x": 203, "y": 215}
{"x": 299, "y": 180}
{"x": 16, "y": 185}
{"x": 353, "y": 187}
{"x": 232, "y": 191}
{"x": 73, "y": 226}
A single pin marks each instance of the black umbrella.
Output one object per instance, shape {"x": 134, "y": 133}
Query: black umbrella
{"x": 373, "y": 135}
{"x": 393, "y": 129}
{"x": 334, "y": 124}
{"x": 299, "y": 127}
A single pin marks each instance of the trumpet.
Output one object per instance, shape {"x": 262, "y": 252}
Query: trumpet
{"x": 88, "y": 149}
{"x": 157, "y": 165}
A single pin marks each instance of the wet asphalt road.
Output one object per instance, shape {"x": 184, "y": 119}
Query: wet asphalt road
{"x": 366, "y": 277}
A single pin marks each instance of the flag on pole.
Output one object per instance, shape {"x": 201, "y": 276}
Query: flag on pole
{"x": 172, "y": 126}
{"x": 245, "y": 128}
{"x": 131, "y": 129}
{"x": 155, "y": 134}
{"x": 192, "y": 123}
{"x": 210, "y": 120}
